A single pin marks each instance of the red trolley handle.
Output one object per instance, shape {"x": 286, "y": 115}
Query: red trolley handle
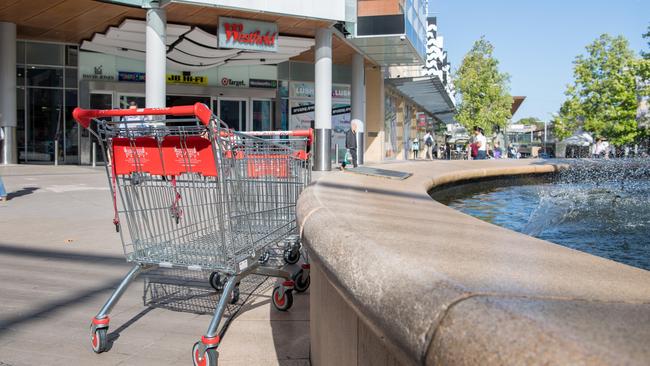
{"x": 309, "y": 134}
{"x": 200, "y": 110}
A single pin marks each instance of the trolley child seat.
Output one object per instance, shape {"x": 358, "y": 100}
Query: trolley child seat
{"x": 194, "y": 194}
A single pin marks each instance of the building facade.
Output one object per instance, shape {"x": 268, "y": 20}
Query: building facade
{"x": 320, "y": 66}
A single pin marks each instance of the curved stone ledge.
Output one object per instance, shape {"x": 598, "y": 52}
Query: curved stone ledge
{"x": 401, "y": 279}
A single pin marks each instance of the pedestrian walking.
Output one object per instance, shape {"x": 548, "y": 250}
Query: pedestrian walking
{"x": 497, "y": 152}
{"x": 3, "y": 192}
{"x": 415, "y": 147}
{"x": 351, "y": 142}
{"x": 428, "y": 145}
{"x": 481, "y": 143}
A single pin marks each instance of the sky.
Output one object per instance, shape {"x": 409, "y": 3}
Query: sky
{"x": 537, "y": 41}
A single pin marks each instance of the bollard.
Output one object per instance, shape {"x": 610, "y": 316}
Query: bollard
{"x": 56, "y": 152}
{"x": 94, "y": 153}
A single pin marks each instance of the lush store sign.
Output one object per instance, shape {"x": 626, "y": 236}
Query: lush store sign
{"x": 247, "y": 34}
{"x": 307, "y": 90}
{"x": 187, "y": 79}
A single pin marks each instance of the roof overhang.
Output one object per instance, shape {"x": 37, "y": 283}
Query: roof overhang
{"x": 428, "y": 92}
{"x": 388, "y": 50}
{"x": 190, "y": 48}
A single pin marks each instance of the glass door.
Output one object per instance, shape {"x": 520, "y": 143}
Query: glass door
{"x": 98, "y": 100}
{"x": 233, "y": 113}
{"x": 125, "y": 100}
{"x": 262, "y": 115}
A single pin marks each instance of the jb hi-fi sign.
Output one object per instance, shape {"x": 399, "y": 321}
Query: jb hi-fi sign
{"x": 247, "y": 34}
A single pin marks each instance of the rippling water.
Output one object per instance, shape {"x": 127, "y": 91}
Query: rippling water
{"x": 605, "y": 214}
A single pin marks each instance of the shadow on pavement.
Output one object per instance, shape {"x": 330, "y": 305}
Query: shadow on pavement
{"x": 60, "y": 255}
{"x": 22, "y": 192}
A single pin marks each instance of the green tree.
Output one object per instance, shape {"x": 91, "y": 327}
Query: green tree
{"x": 602, "y": 99}
{"x": 484, "y": 98}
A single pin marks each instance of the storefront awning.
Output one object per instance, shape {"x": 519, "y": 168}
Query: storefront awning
{"x": 190, "y": 48}
{"x": 428, "y": 92}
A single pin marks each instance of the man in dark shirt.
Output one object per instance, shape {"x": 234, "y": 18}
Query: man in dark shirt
{"x": 351, "y": 142}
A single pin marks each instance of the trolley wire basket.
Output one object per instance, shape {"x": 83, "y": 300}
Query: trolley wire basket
{"x": 191, "y": 193}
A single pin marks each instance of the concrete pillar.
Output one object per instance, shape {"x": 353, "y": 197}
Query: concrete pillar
{"x": 156, "y": 58}
{"x": 8, "y": 92}
{"x": 323, "y": 100}
{"x": 358, "y": 107}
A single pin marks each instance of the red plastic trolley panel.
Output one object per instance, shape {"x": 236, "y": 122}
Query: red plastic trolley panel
{"x": 140, "y": 154}
{"x": 268, "y": 165}
{"x": 188, "y": 154}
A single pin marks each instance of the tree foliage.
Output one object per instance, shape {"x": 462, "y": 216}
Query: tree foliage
{"x": 603, "y": 97}
{"x": 484, "y": 97}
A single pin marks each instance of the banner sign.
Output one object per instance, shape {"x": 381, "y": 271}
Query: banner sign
{"x": 341, "y": 110}
{"x": 263, "y": 83}
{"x": 247, "y": 34}
{"x": 138, "y": 77}
{"x": 187, "y": 79}
{"x": 302, "y": 109}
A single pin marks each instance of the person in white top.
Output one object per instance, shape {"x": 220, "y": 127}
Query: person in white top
{"x": 481, "y": 142}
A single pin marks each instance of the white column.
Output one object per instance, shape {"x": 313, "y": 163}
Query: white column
{"x": 8, "y": 91}
{"x": 156, "y": 58}
{"x": 323, "y": 100}
{"x": 358, "y": 107}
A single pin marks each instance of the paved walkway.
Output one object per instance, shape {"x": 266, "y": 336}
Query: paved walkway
{"x": 59, "y": 260}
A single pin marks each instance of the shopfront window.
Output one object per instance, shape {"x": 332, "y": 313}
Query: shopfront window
{"x": 44, "y": 77}
{"x": 233, "y": 113}
{"x": 262, "y": 115}
{"x": 70, "y": 146}
{"x": 44, "y": 123}
{"x": 390, "y": 127}
{"x": 44, "y": 53}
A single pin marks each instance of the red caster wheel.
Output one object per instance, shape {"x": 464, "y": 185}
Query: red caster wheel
{"x": 209, "y": 357}
{"x": 282, "y": 301}
{"x": 99, "y": 340}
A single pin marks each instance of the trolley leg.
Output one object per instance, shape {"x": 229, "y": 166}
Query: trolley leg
{"x": 211, "y": 338}
{"x": 99, "y": 326}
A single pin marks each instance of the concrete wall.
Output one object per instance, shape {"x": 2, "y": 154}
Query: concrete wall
{"x": 401, "y": 279}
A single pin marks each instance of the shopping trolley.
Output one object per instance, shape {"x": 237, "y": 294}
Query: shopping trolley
{"x": 193, "y": 194}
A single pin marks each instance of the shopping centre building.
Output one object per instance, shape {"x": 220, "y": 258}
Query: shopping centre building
{"x": 259, "y": 65}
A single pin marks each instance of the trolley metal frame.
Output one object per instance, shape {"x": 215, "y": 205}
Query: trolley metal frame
{"x": 197, "y": 195}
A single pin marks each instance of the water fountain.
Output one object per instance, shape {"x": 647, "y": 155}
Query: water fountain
{"x": 597, "y": 206}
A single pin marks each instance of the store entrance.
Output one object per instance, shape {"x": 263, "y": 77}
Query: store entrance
{"x": 232, "y": 112}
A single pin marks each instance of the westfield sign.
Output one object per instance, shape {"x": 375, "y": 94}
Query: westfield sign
{"x": 247, "y": 34}
{"x": 235, "y": 31}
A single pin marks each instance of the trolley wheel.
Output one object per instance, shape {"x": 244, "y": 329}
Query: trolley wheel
{"x": 264, "y": 258}
{"x": 292, "y": 255}
{"x": 215, "y": 281}
{"x": 300, "y": 284}
{"x": 235, "y": 295}
{"x": 282, "y": 304}
{"x": 209, "y": 358}
{"x": 99, "y": 340}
